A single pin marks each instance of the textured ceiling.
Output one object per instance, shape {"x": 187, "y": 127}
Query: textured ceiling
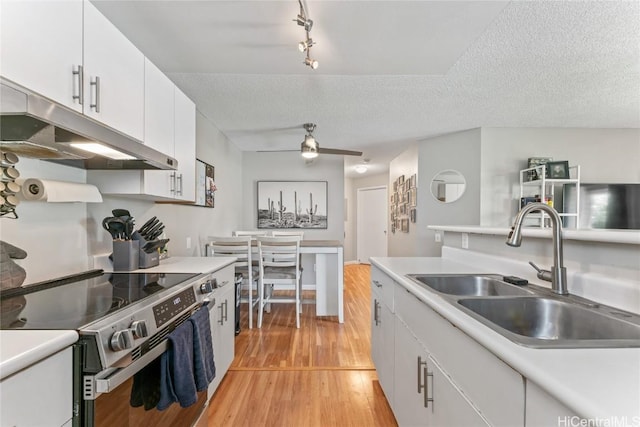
{"x": 392, "y": 72}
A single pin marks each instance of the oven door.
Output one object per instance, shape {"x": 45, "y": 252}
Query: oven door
{"x": 112, "y": 406}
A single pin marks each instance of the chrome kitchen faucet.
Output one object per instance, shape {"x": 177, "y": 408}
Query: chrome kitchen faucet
{"x": 558, "y": 274}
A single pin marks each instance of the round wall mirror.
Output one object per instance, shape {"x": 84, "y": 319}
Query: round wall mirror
{"x": 448, "y": 186}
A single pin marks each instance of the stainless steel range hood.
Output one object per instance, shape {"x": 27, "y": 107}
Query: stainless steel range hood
{"x": 35, "y": 127}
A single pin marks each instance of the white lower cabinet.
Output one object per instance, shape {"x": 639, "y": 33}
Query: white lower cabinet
{"x": 41, "y": 395}
{"x": 423, "y": 394}
{"x": 545, "y": 410}
{"x": 410, "y": 399}
{"x": 464, "y": 385}
{"x": 382, "y": 341}
{"x": 222, "y": 318}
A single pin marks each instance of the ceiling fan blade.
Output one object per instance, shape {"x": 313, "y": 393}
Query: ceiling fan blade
{"x": 337, "y": 151}
{"x": 276, "y": 151}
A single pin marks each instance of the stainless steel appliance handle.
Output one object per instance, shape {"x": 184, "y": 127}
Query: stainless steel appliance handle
{"x": 106, "y": 385}
{"x": 172, "y": 185}
{"x": 179, "y": 191}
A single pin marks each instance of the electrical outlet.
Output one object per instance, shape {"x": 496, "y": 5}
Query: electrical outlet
{"x": 188, "y": 242}
{"x": 465, "y": 241}
{"x": 438, "y": 237}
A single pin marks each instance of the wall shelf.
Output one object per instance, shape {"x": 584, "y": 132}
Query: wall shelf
{"x": 535, "y": 185}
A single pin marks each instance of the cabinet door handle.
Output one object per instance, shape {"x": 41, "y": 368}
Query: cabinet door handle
{"x": 423, "y": 383}
{"x": 172, "y": 184}
{"x": 179, "y": 187}
{"x": 375, "y": 312}
{"x": 79, "y": 73}
{"x": 378, "y": 284}
{"x": 221, "y": 307}
{"x": 226, "y": 310}
{"x": 96, "y": 84}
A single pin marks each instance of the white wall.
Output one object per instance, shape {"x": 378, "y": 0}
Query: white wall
{"x": 458, "y": 151}
{"x": 54, "y": 235}
{"x": 289, "y": 166}
{"x": 604, "y": 155}
{"x": 351, "y": 199}
{"x": 404, "y": 244}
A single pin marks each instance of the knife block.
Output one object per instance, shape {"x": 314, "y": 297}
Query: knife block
{"x": 145, "y": 260}
{"x": 126, "y": 255}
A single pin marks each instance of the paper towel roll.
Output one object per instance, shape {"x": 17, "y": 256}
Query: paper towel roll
{"x": 47, "y": 190}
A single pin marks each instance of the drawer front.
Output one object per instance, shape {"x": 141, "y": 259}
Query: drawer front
{"x": 383, "y": 285}
{"x": 494, "y": 387}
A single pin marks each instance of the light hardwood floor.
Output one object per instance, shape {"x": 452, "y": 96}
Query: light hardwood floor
{"x": 318, "y": 375}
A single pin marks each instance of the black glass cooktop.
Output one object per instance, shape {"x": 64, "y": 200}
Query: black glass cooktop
{"x": 72, "y": 302}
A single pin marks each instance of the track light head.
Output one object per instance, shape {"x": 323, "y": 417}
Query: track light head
{"x": 311, "y": 63}
{"x": 304, "y": 22}
{"x": 305, "y": 45}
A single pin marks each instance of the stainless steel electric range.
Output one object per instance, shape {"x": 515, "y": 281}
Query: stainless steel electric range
{"x": 123, "y": 320}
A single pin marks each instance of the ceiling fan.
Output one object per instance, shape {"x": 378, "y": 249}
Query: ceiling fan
{"x": 310, "y": 147}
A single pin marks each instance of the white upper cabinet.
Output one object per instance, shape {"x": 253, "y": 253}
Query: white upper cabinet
{"x": 113, "y": 75}
{"x": 159, "y": 128}
{"x": 42, "y": 47}
{"x": 185, "y": 146}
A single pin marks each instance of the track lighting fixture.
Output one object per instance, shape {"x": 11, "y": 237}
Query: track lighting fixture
{"x": 311, "y": 63}
{"x": 305, "y": 45}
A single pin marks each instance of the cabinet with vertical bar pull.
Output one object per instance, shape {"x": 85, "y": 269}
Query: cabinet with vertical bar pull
{"x": 423, "y": 394}
{"x": 222, "y": 323}
{"x": 382, "y": 329}
{"x": 73, "y": 55}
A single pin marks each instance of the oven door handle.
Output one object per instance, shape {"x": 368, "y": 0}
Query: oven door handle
{"x": 110, "y": 383}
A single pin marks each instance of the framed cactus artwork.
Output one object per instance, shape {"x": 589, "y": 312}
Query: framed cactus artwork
{"x": 292, "y": 204}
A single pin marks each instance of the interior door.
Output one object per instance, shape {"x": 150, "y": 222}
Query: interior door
{"x": 371, "y": 224}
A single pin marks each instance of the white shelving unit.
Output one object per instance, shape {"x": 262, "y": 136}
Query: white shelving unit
{"x": 533, "y": 183}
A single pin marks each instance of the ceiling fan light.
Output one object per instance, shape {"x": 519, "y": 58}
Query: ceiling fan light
{"x": 309, "y": 148}
{"x": 361, "y": 168}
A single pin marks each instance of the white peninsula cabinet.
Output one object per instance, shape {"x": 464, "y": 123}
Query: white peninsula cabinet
{"x": 222, "y": 318}
{"x": 442, "y": 377}
{"x": 69, "y": 52}
{"x": 40, "y": 395}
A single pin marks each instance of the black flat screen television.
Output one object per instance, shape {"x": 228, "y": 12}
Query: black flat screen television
{"x": 606, "y": 206}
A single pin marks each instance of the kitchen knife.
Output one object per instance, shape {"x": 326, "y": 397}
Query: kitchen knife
{"x": 147, "y": 225}
{"x": 153, "y": 246}
{"x": 147, "y": 235}
{"x": 156, "y": 234}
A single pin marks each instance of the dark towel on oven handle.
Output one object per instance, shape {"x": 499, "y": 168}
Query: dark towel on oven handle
{"x": 177, "y": 383}
{"x": 204, "y": 366}
{"x": 146, "y": 386}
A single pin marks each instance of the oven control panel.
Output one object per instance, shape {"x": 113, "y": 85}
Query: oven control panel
{"x": 167, "y": 309}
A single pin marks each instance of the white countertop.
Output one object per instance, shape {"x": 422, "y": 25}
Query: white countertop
{"x": 20, "y": 349}
{"x": 595, "y": 383}
{"x": 631, "y": 237}
{"x": 189, "y": 265}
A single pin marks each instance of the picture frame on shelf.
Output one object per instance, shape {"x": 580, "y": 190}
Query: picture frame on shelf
{"x": 532, "y": 162}
{"x": 557, "y": 170}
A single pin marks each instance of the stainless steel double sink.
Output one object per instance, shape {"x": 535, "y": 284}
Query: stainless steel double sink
{"x": 534, "y": 316}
